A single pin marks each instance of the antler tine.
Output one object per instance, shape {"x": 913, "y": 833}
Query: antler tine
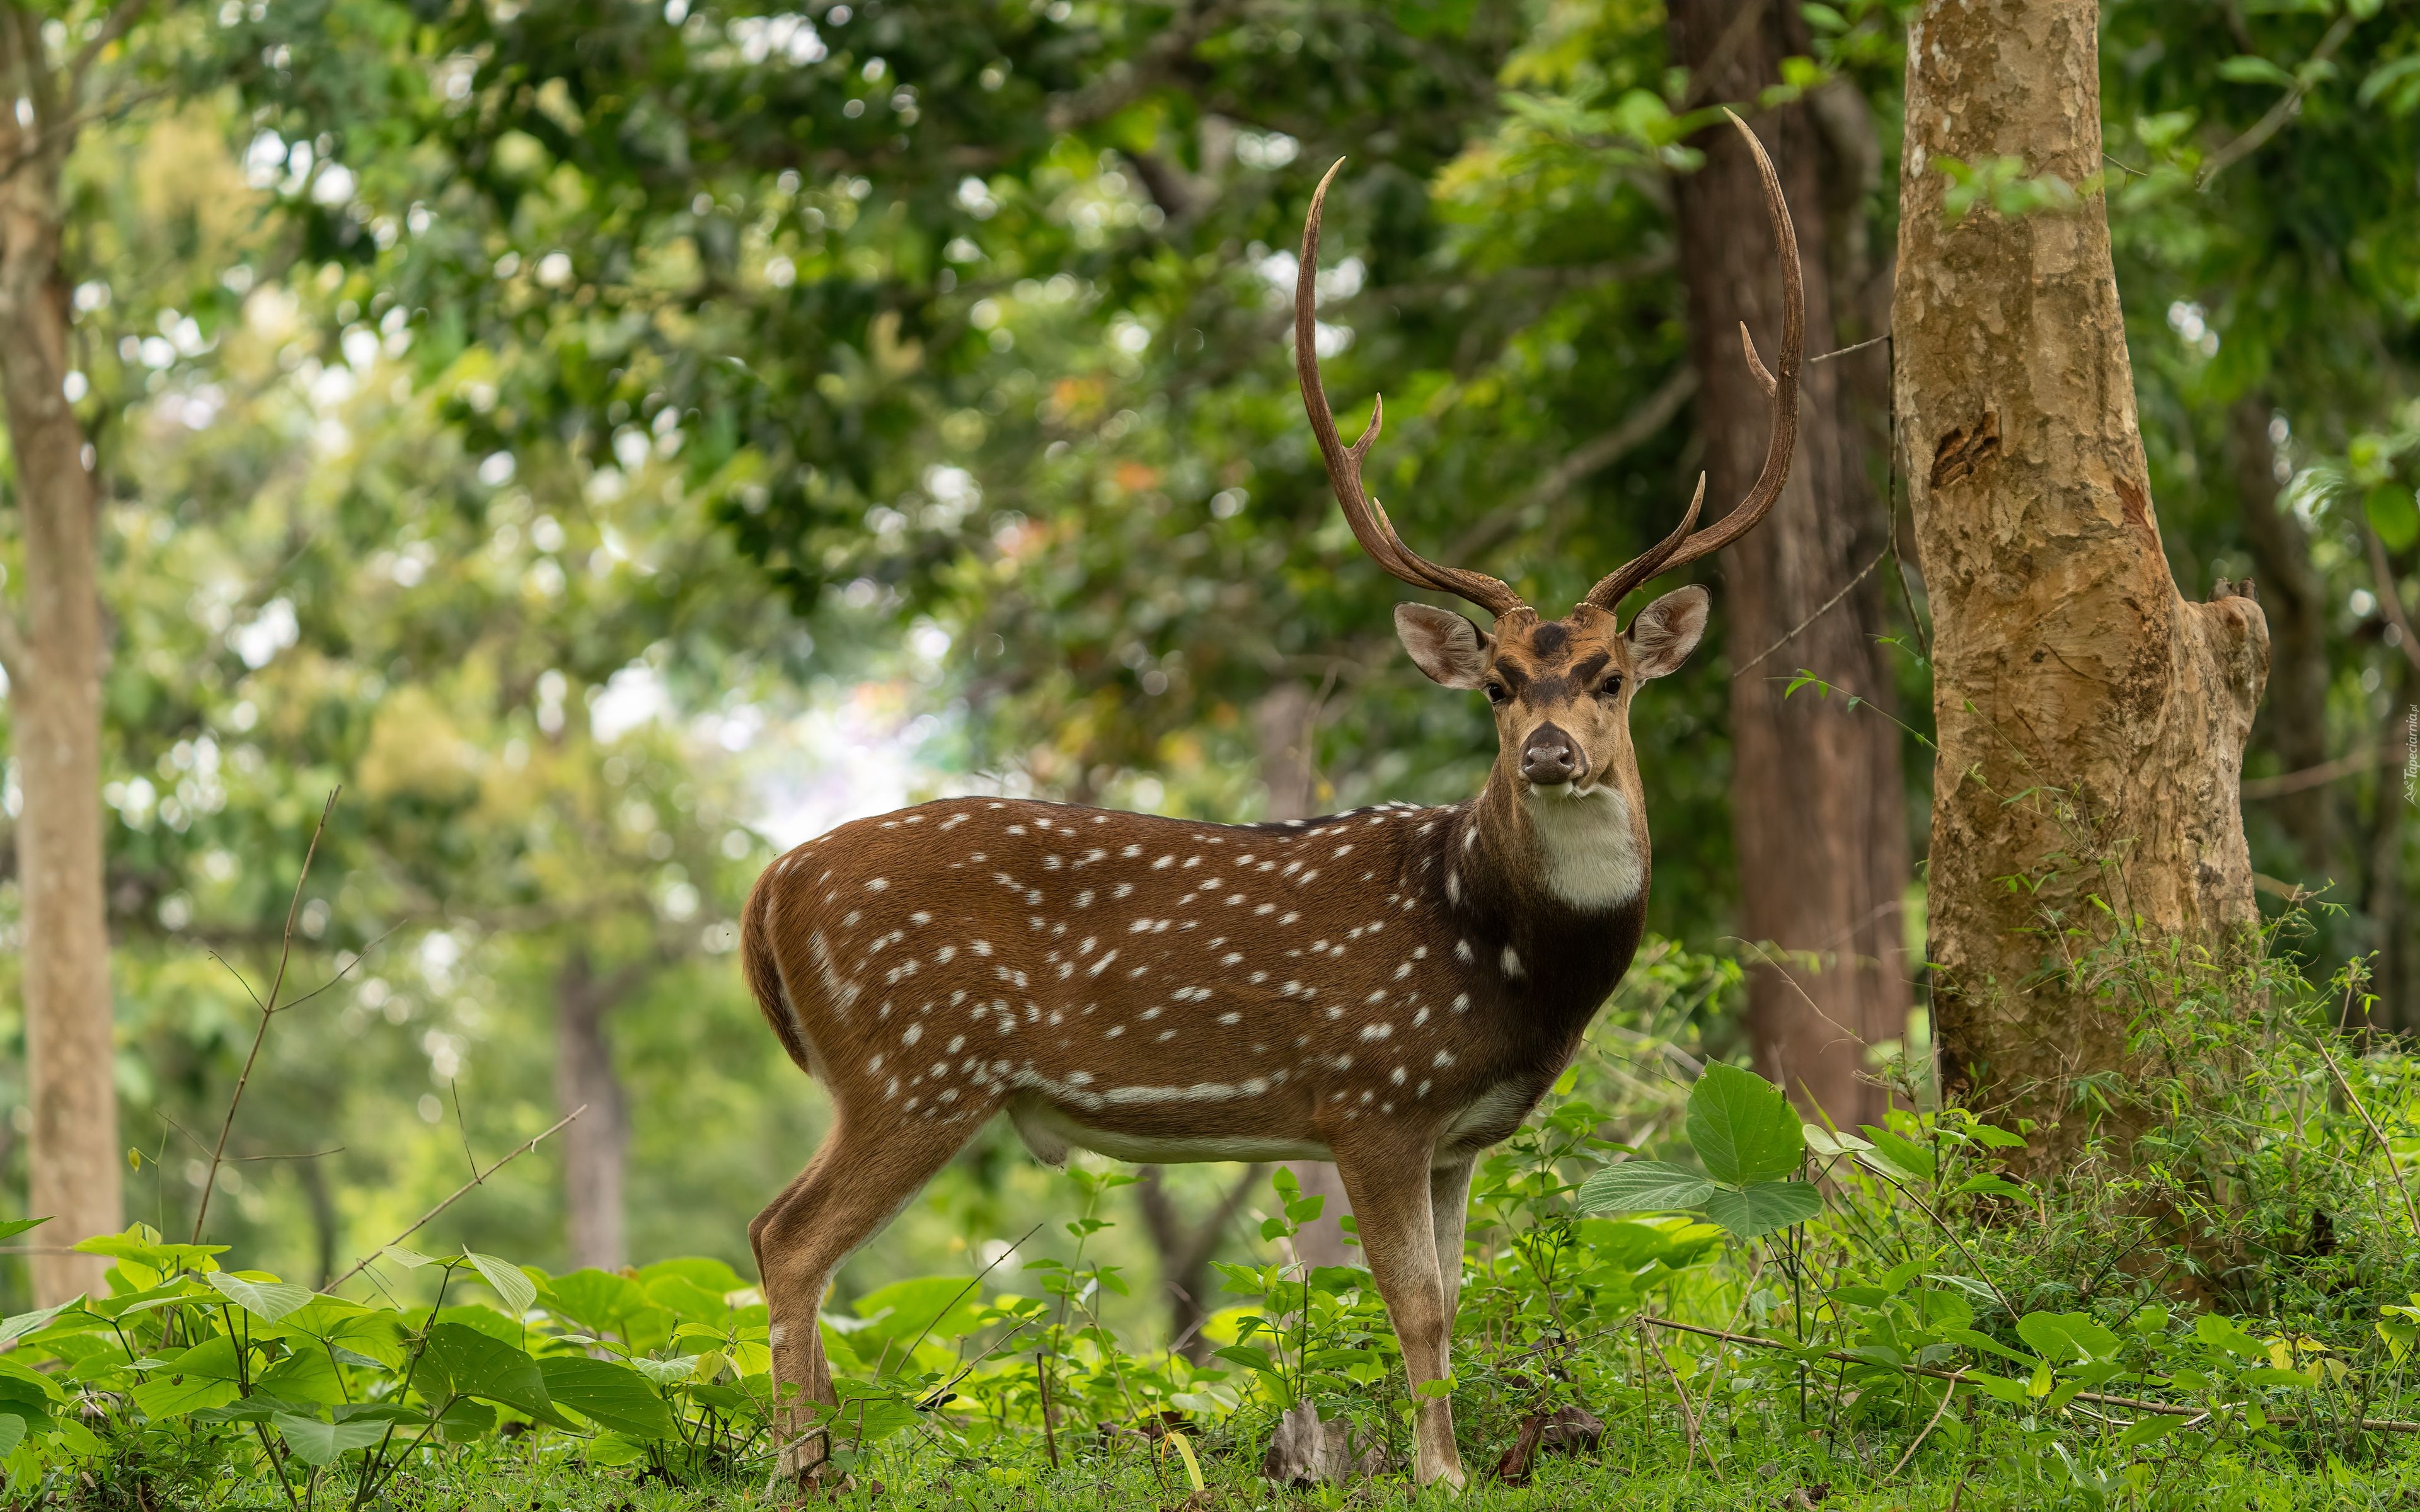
{"x": 1780, "y": 386}
{"x": 1371, "y": 526}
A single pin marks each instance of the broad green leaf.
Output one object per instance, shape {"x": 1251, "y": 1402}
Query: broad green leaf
{"x": 2395, "y": 514}
{"x": 2011, "y": 1391}
{"x": 268, "y": 1300}
{"x": 203, "y": 1376}
{"x": 2149, "y": 1429}
{"x": 314, "y": 1443}
{"x": 1742, "y": 1127}
{"x": 1825, "y": 1142}
{"x": 667, "y": 1372}
{"x": 307, "y": 1375}
{"x": 598, "y": 1300}
{"x": 2222, "y": 1333}
{"x": 471, "y": 1363}
{"x": 712, "y": 1274}
{"x": 143, "y": 1245}
{"x": 25, "y": 1323}
{"x": 505, "y": 1279}
{"x": 688, "y": 1301}
{"x": 938, "y": 1308}
{"x": 1998, "y": 1138}
{"x": 1643, "y": 1186}
{"x": 1998, "y": 1187}
{"x": 1250, "y": 1356}
{"x": 12, "y": 1431}
{"x": 12, "y": 1227}
{"x": 1764, "y": 1208}
{"x": 1907, "y": 1158}
{"x": 608, "y": 1393}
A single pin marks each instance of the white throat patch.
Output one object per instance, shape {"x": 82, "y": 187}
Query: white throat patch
{"x": 1587, "y": 852}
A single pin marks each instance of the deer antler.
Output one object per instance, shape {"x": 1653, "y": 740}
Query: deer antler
{"x": 1367, "y": 516}
{"x": 1782, "y": 387}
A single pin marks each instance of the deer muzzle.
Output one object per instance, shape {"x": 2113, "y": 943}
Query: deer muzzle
{"x": 1550, "y": 757}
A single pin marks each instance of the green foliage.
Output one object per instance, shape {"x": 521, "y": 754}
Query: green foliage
{"x": 1747, "y": 1137}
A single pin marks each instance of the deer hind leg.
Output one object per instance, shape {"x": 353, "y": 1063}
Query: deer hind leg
{"x": 1450, "y": 1215}
{"x": 1389, "y": 1188}
{"x": 861, "y": 1176}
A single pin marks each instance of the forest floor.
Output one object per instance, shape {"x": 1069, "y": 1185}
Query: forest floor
{"x": 1637, "y": 1477}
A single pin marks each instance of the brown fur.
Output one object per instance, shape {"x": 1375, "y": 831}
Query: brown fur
{"x": 1393, "y": 987}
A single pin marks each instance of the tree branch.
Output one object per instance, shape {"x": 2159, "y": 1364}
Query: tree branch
{"x": 2282, "y": 111}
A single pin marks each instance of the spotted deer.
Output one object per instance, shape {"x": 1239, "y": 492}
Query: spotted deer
{"x": 1392, "y": 989}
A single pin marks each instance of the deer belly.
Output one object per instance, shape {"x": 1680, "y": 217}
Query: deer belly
{"x": 1050, "y": 1132}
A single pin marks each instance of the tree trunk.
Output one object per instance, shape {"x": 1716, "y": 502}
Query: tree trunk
{"x": 2092, "y": 722}
{"x": 1185, "y": 1254}
{"x": 597, "y": 1144}
{"x": 54, "y": 663}
{"x": 1818, "y": 795}
{"x": 1284, "y": 724}
{"x": 2294, "y": 599}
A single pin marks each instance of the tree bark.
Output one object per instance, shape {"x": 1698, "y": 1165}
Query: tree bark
{"x": 596, "y": 1145}
{"x": 2293, "y": 599}
{"x": 54, "y": 663}
{"x": 1284, "y": 724}
{"x": 1818, "y": 793}
{"x": 2092, "y": 722}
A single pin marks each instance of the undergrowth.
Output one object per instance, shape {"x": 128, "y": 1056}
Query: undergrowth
{"x": 1674, "y": 1294}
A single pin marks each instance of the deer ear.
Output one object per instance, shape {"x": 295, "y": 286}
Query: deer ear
{"x": 1443, "y": 644}
{"x": 1666, "y": 631}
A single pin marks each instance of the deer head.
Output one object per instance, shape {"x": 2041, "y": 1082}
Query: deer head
{"x": 1561, "y": 689}
{"x": 1393, "y": 988}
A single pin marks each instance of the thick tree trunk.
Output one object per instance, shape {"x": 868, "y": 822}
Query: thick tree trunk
{"x": 2092, "y": 722}
{"x": 1818, "y": 800}
{"x": 54, "y": 664}
{"x": 2293, "y": 598}
{"x": 596, "y": 1147}
{"x": 1283, "y": 723}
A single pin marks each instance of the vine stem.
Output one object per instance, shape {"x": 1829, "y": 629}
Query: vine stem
{"x": 267, "y": 1011}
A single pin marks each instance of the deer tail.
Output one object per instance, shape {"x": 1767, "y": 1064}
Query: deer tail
{"x": 763, "y": 966}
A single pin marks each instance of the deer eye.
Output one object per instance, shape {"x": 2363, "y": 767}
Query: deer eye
{"x": 1496, "y": 693}
{"x": 1610, "y": 686}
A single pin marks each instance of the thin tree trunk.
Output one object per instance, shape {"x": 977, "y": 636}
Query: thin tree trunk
{"x": 1282, "y": 722}
{"x": 1185, "y": 1254}
{"x": 597, "y": 1144}
{"x": 2092, "y": 722}
{"x": 1818, "y": 795}
{"x": 325, "y": 1221}
{"x": 2292, "y": 597}
{"x": 54, "y": 663}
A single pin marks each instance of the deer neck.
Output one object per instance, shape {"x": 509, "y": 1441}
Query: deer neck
{"x": 1578, "y": 850}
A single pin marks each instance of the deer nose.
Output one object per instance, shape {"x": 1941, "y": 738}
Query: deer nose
{"x": 1550, "y": 756}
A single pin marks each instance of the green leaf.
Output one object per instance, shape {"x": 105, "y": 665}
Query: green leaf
{"x": 2222, "y": 1333}
{"x": 2011, "y": 1391}
{"x": 203, "y": 1376}
{"x": 1643, "y": 1186}
{"x": 1998, "y": 1187}
{"x": 505, "y": 1279}
{"x": 2149, "y": 1429}
{"x": 12, "y": 1429}
{"x": 2068, "y": 1338}
{"x": 1824, "y": 1142}
{"x": 609, "y": 1395}
{"x": 2248, "y": 70}
{"x": 667, "y": 1372}
{"x": 473, "y": 1363}
{"x": 268, "y": 1300}
{"x": 1250, "y": 1356}
{"x": 601, "y": 1302}
{"x": 1764, "y": 1208}
{"x": 25, "y": 1323}
{"x": 12, "y": 1227}
{"x": 1742, "y": 1127}
{"x": 314, "y": 1443}
{"x": 2393, "y": 513}
{"x": 1899, "y": 1156}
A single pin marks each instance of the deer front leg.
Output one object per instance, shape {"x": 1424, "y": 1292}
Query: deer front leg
{"x": 1389, "y": 1188}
